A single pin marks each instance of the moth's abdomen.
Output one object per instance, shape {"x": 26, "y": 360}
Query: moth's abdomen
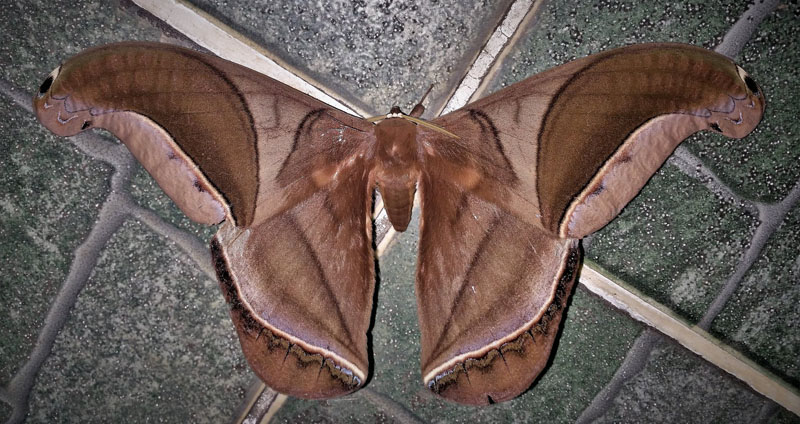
{"x": 398, "y": 199}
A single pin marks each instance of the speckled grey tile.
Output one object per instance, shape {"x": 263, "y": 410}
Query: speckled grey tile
{"x": 677, "y": 386}
{"x": 37, "y": 35}
{"x": 5, "y": 412}
{"x": 784, "y": 417}
{"x": 592, "y": 345}
{"x": 140, "y": 345}
{"x": 675, "y": 242}
{"x": 764, "y": 165}
{"x": 48, "y": 193}
{"x": 566, "y": 30}
{"x": 763, "y": 317}
{"x": 376, "y": 54}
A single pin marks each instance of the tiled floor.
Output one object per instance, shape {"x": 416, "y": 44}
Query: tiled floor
{"x": 109, "y": 310}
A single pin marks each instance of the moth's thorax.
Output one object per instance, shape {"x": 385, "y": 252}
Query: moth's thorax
{"x": 396, "y": 168}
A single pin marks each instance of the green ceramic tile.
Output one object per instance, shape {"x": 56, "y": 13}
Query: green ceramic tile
{"x": 763, "y": 316}
{"x": 678, "y": 387}
{"x": 375, "y": 54}
{"x": 38, "y": 35}
{"x": 566, "y": 30}
{"x": 49, "y": 194}
{"x": 593, "y": 343}
{"x": 763, "y": 166}
{"x": 675, "y": 242}
{"x": 149, "y": 339}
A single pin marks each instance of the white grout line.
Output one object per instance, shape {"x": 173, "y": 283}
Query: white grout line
{"x": 280, "y": 399}
{"x": 383, "y": 243}
{"x": 251, "y": 397}
{"x": 224, "y": 43}
{"x": 272, "y": 409}
{"x": 488, "y": 55}
{"x": 693, "y": 338}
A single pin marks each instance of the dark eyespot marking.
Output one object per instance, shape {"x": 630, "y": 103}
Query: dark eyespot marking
{"x": 45, "y": 85}
{"x": 86, "y": 124}
{"x": 751, "y": 84}
{"x": 715, "y": 127}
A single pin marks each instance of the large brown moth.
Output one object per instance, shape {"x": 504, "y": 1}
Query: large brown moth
{"x": 508, "y": 186}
